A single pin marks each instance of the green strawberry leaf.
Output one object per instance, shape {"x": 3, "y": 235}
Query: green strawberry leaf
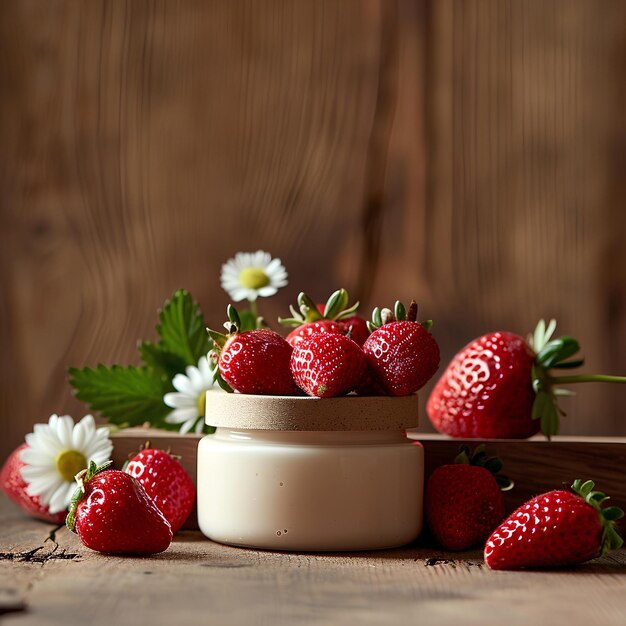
{"x": 163, "y": 362}
{"x": 182, "y": 328}
{"x": 127, "y": 396}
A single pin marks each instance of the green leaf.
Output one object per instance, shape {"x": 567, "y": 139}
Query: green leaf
{"x": 125, "y": 395}
{"x": 247, "y": 319}
{"x": 308, "y": 308}
{"x": 538, "y": 335}
{"x": 377, "y": 318}
{"x": 613, "y": 513}
{"x": 399, "y": 311}
{"x": 233, "y": 316}
{"x": 163, "y": 362}
{"x": 182, "y": 328}
{"x": 493, "y": 465}
{"x": 567, "y": 365}
{"x": 542, "y": 400}
{"x": 557, "y": 350}
{"x": 336, "y": 303}
{"x": 544, "y": 408}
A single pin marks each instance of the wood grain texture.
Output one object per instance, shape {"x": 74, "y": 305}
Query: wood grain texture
{"x": 470, "y": 154}
{"x": 198, "y": 581}
{"x": 524, "y": 202}
{"x": 535, "y": 466}
{"x": 146, "y": 142}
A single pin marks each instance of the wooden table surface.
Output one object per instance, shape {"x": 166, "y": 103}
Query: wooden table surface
{"x": 48, "y": 577}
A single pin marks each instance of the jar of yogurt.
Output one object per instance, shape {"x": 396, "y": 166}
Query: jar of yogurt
{"x": 310, "y": 474}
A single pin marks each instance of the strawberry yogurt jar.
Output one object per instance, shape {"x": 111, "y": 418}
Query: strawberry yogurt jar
{"x": 310, "y": 474}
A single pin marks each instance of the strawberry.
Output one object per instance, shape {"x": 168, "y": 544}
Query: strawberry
{"x": 353, "y": 324}
{"x": 326, "y": 365}
{"x": 464, "y": 501}
{"x": 254, "y": 361}
{"x": 166, "y": 482}
{"x": 312, "y": 328}
{"x": 401, "y": 353}
{"x": 501, "y": 386}
{"x": 15, "y": 487}
{"x": 332, "y": 317}
{"x": 555, "y": 529}
{"x": 112, "y": 513}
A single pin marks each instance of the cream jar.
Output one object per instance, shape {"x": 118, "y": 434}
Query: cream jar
{"x": 310, "y": 474}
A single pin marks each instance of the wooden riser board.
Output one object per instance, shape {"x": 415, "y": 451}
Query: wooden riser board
{"x": 535, "y": 465}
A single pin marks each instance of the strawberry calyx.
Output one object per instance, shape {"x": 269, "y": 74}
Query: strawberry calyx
{"x": 82, "y": 478}
{"x": 336, "y": 309}
{"x": 232, "y": 326}
{"x": 611, "y": 539}
{"x": 555, "y": 354}
{"x": 480, "y": 458}
{"x": 380, "y": 317}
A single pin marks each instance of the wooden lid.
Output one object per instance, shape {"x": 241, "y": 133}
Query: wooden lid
{"x": 251, "y": 412}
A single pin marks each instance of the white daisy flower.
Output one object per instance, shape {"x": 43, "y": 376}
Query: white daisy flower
{"x": 189, "y": 399}
{"x": 251, "y": 275}
{"x": 56, "y": 452}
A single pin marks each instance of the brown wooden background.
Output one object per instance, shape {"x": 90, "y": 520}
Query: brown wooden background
{"x": 469, "y": 153}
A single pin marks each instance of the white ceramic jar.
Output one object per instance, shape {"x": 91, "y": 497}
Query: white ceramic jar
{"x": 310, "y": 474}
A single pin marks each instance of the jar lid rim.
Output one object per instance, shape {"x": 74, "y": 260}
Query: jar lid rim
{"x": 255, "y": 412}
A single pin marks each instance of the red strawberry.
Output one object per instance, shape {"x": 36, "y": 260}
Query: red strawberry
{"x": 15, "y": 486}
{"x": 354, "y": 324}
{"x": 312, "y": 328}
{"x": 326, "y": 365}
{"x": 464, "y": 501}
{"x": 255, "y": 361}
{"x": 401, "y": 353}
{"x": 113, "y": 514}
{"x": 332, "y": 317}
{"x": 357, "y": 327}
{"x": 486, "y": 390}
{"x": 166, "y": 482}
{"x": 499, "y": 385}
{"x": 555, "y": 529}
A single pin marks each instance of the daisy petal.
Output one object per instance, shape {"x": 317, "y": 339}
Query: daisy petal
{"x": 186, "y": 427}
{"x": 179, "y": 400}
{"x": 59, "y": 500}
{"x": 32, "y": 456}
{"x": 183, "y": 384}
{"x": 181, "y": 415}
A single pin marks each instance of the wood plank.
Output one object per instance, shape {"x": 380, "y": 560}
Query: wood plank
{"x": 524, "y": 105}
{"x": 536, "y": 466}
{"x": 196, "y": 580}
{"x": 146, "y": 142}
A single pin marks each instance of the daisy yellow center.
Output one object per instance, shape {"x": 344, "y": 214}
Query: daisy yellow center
{"x": 69, "y": 463}
{"x": 202, "y": 404}
{"x": 253, "y": 278}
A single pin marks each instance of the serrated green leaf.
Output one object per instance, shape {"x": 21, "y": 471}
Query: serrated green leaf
{"x": 182, "y": 328}
{"x": 163, "y": 362}
{"x": 125, "y": 395}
